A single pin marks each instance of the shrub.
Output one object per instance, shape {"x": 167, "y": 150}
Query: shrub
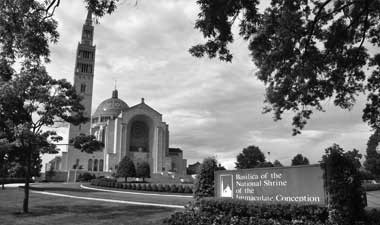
{"x": 143, "y": 187}
{"x": 343, "y": 184}
{"x": 160, "y": 188}
{"x": 86, "y": 177}
{"x": 173, "y": 188}
{"x": 230, "y": 211}
{"x": 166, "y": 188}
{"x": 204, "y": 185}
{"x": 143, "y": 170}
{"x": 148, "y": 187}
{"x": 154, "y": 187}
{"x": 133, "y": 186}
{"x": 126, "y": 168}
{"x": 188, "y": 189}
{"x": 180, "y": 189}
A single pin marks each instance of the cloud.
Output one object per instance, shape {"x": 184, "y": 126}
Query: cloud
{"x": 213, "y": 108}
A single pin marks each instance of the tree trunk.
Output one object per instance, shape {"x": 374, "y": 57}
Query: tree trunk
{"x": 126, "y": 179}
{"x": 26, "y": 188}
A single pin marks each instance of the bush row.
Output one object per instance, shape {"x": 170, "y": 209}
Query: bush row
{"x": 241, "y": 208}
{"x": 173, "y": 188}
{"x": 239, "y": 212}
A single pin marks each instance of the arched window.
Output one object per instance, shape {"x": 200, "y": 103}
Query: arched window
{"x": 139, "y": 141}
{"x": 101, "y": 165}
{"x": 82, "y": 88}
{"x": 95, "y": 165}
{"x": 90, "y": 165}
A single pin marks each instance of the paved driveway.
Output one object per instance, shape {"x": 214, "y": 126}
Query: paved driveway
{"x": 75, "y": 190}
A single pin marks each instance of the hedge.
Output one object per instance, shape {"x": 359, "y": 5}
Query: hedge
{"x": 173, "y": 188}
{"x": 239, "y": 212}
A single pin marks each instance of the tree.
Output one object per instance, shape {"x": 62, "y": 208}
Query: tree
{"x": 372, "y": 161}
{"x": 204, "y": 184}
{"x": 251, "y": 157}
{"x": 126, "y": 168}
{"x": 306, "y": 52}
{"x": 277, "y": 163}
{"x": 343, "y": 184}
{"x": 31, "y": 101}
{"x": 264, "y": 164}
{"x": 4, "y": 165}
{"x": 299, "y": 159}
{"x": 143, "y": 170}
{"x": 86, "y": 143}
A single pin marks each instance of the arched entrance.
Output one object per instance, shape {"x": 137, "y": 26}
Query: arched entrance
{"x": 139, "y": 139}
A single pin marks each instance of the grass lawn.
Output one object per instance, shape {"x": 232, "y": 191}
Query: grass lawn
{"x": 58, "y": 210}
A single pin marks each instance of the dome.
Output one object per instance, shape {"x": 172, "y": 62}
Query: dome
{"x": 111, "y": 107}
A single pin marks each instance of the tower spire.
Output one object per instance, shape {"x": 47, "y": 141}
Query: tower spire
{"x": 89, "y": 17}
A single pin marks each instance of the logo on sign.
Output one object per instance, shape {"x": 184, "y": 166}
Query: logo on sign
{"x": 226, "y": 186}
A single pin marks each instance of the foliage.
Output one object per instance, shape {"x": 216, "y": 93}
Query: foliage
{"x": 143, "y": 170}
{"x": 126, "y": 168}
{"x": 277, "y": 163}
{"x": 86, "y": 143}
{"x": 264, "y": 164}
{"x": 251, "y": 157}
{"x": 204, "y": 184}
{"x": 31, "y": 102}
{"x": 229, "y": 211}
{"x": 299, "y": 159}
{"x": 86, "y": 176}
{"x": 306, "y": 52}
{"x": 372, "y": 161}
{"x": 173, "y": 188}
{"x": 343, "y": 184}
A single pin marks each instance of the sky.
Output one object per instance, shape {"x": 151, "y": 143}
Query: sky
{"x": 213, "y": 108}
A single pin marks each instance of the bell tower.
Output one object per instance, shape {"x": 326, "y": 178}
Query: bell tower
{"x": 83, "y": 83}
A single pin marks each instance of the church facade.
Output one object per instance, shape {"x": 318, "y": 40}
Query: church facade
{"x": 138, "y": 132}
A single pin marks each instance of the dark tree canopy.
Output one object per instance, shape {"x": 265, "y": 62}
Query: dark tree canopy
{"x": 143, "y": 170}
{"x": 299, "y": 159}
{"x": 343, "y": 184}
{"x": 204, "y": 184}
{"x": 264, "y": 164}
{"x": 251, "y": 157}
{"x": 277, "y": 163}
{"x": 86, "y": 143}
{"x": 31, "y": 102}
{"x": 306, "y": 52}
{"x": 372, "y": 162}
{"x": 126, "y": 168}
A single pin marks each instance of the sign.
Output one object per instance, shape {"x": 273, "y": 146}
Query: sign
{"x": 273, "y": 185}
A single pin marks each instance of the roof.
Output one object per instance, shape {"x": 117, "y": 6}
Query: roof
{"x": 111, "y": 107}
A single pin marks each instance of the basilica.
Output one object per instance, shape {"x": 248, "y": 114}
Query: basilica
{"x": 135, "y": 131}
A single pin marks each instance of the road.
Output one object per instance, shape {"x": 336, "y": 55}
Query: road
{"x": 122, "y": 196}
